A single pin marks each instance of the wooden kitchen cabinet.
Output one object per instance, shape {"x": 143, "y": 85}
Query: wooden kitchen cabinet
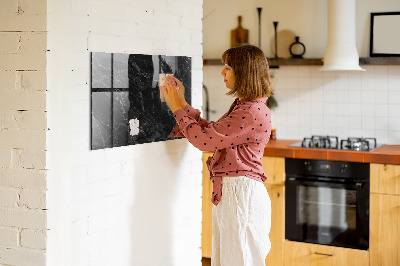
{"x": 385, "y": 178}
{"x": 305, "y": 254}
{"x": 206, "y": 225}
{"x": 274, "y": 168}
{"x": 385, "y": 215}
{"x": 277, "y": 233}
{"x": 384, "y": 236}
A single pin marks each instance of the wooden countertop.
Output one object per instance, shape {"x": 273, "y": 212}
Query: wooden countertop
{"x": 389, "y": 154}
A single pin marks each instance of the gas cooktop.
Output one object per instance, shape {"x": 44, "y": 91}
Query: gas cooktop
{"x": 332, "y": 142}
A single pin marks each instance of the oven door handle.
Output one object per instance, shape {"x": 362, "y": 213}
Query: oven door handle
{"x": 357, "y": 185}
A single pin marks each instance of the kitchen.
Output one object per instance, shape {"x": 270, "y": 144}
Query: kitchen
{"x": 311, "y": 102}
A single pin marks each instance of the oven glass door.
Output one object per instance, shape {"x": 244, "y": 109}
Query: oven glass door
{"x": 327, "y": 213}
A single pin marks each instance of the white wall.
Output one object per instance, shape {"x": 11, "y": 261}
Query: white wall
{"x": 311, "y": 102}
{"x": 133, "y": 205}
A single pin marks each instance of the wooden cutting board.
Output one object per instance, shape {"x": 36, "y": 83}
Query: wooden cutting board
{"x": 239, "y": 35}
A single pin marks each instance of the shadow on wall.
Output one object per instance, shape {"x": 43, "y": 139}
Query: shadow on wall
{"x": 155, "y": 202}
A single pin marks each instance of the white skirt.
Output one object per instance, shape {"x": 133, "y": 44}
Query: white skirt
{"x": 241, "y": 223}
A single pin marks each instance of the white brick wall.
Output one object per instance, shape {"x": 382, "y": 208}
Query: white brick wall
{"x": 23, "y": 132}
{"x": 134, "y": 205}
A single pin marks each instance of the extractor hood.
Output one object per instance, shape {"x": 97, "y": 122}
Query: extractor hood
{"x": 341, "y": 51}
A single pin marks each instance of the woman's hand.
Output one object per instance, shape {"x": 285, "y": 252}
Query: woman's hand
{"x": 181, "y": 90}
{"x": 173, "y": 94}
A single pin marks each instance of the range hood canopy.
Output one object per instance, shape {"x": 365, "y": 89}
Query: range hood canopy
{"x": 341, "y": 51}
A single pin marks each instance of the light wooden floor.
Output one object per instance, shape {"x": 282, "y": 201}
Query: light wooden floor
{"x": 206, "y": 261}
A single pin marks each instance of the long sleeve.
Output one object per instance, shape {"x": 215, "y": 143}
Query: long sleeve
{"x": 231, "y": 130}
{"x": 193, "y": 113}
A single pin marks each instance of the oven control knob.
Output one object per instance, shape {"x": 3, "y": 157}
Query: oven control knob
{"x": 343, "y": 168}
{"x": 308, "y": 166}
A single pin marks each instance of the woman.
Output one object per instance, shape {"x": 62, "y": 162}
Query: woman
{"x": 242, "y": 211}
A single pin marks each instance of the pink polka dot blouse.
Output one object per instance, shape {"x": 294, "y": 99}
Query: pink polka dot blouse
{"x": 238, "y": 139}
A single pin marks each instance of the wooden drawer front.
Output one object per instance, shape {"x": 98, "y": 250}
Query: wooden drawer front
{"x": 274, "y": 168}
{"x": 384, "y": 237}
{"x": 385, "y": 178}
{"x": 304, "y": 254}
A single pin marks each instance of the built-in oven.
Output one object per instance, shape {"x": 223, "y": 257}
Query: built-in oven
{"x": 327, "y": 202}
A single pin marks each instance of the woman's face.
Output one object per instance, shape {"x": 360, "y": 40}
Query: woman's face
{"x": 229, "y": 76}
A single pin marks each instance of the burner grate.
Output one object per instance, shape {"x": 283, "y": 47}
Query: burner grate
{"x": 358, "y": 144}
{"x": 332, "y": 142}
{"x": 327, "y": 142}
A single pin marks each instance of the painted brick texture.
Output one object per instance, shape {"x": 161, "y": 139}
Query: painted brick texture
{"x": 23, "y": 132}
{"x": 134, "y": 205}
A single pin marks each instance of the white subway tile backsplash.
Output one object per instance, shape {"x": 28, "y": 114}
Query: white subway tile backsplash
{"x": 381, "y": 97}
{"x": 348, "y": 103}
{"x": 382, "y": 136}
{"x": 394, "y": 110}
{"x": 367, "y": 123}
{"x": 329, "y": 109}
{"x": 342, "y": 109}
{"x": 355, "y": 96}
{"x": 355, "y": 132}
{"x": 367, "y": 96}
{"x": 394, "y": 97}
{"x": 394, "y": 137}
{"x": 316, "y": 83}
{"x": 380, "y": 71}
{"x": 329, "y": 123}
{"x": 367, "y": 81}
{"x": 367, "y": 133}
{"x": 342, "y": 122}
{"x": 381, "y": 110}
{"x": 355, "y": 122}
{"x": 316, "y": 72}
{"x": 292, "y": 82}
{"x": 381, "y": 123}
{"x": 354, "y": 80}
{"x": 394, "y": 71}
{"x": 367, "y": 110}
{"x": 394, "y": 123}
{"x": 328, "y": 74}
{"x": 291, "y": 71}
{"x": 381, "y": 84}
{"x": 342, "y": 81}
{"x": 304, "y": 72}
{"x": 394, "y": 83}
{"x": 304, "y": 82}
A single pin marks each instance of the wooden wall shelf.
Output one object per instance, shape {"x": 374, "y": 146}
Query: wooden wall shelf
{"x": 274, "y": 63}
{"x": 380, "y": 61}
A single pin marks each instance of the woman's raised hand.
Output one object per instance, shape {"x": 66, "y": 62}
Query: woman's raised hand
{"x": 174, "y": 93}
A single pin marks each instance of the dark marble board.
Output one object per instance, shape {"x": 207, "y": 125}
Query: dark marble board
{"x": 127, "y": 106}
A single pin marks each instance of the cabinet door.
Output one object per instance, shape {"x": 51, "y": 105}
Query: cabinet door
{"x": 274, "y": 168}
{"x": 384, "y": 230}
{"x": 385, "y": 178}
{"x": 277, "y": 233}
{"x": 304, "y": 254}
{"x": 206, "y": 226}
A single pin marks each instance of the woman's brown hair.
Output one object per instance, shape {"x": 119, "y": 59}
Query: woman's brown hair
{"x": 250, "y": 66}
